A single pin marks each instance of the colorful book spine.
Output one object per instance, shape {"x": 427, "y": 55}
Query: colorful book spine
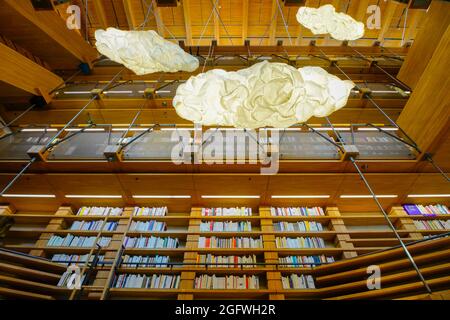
{"x": 304, "y": 261}
{"x": 150, "y": 242}
{"x": 295, "y": 281}
{"x": 150, "y": 212}
{"x": 214, "y": 282}
{"x": 297, "y": 212}
{"x": 299, "y": 226}
{"x": 226, "y": 226}
{"x": 299, "y": 242}
{"x": 213, "y": 261}
{"x": 240, "y": 242}
{"x": 145, "y": 261}
{"x": 154, "y": 281}
{"x": 222, "y": 212}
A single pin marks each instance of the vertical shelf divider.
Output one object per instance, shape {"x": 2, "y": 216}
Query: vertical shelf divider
{"x": 342, "y": 237}
{"x": 270, "y": 254}
{"x": 404, "y": 222}
{"x": 189, "y": 257}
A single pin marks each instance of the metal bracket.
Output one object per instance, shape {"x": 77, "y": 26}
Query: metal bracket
{"x": 39, "y": 152}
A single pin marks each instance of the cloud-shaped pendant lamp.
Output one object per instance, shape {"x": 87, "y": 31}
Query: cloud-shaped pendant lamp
{"x": 325, "y": 20}
{"x": 265, "y": 94}
{"x": 144, "y": 51}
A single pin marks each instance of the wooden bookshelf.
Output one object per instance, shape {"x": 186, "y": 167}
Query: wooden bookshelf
{"x": 347, "y": 235}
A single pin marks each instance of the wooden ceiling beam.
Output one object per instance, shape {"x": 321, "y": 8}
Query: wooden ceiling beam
{"x": 187, "y": 21}
{"x": 387, "y": 17}
{"x": 100, "y": 13}
{"x": 244, "y": 20}
{"x": 131, "y": 18}
{"x": 22, "y": 73}
{"x": 273, "y": 23}
{"x": 48, "y": 25}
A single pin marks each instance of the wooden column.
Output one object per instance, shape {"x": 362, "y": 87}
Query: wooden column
{"x": 188, "y": 277}
{"x": 405, "y": 222}
{"x": 342, "y": 238}
{"x": 57, "y": 223}
{"x": 425, "y": 118}
{"x": 273, "y": 276}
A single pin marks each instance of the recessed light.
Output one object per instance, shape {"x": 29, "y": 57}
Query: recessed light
{"x": 231, "y": 197}
{"x": 301, "y": 197}
{"x": 91, "y": 196}
{"x": 29, "y": 195}
{"x": 368, "y": 196}
{"x": 161, "y": 197}
{"x": 428, "y": 195}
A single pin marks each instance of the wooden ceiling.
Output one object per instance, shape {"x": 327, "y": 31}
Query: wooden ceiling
{"x": 260, "y": 21}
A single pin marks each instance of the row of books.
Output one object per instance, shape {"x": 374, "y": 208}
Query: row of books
{"x": 72, "y": 241}
{"x": 64, "y": 280}
{"x": 432, "y": 224}
{"x": 148, "y": 226}
{"x": 218, "y": 212}
{"x": 418, "y": 209}
{"x": 155, "y": 281}
{"x": 227, "y": 261}
{"x": 146, "y": 211}
{"x": 295, "y": 281}
{"x": 68, "y": 259}
{"x": 304, "y": 261}
{"x": 226, "y": 282}
{"x": 299, "y": 242}
{"x": 239, "y": 242}
{"x": 99, "y": 211}
{"x": 94, "y": 225}
{"x": 297, "y": 211}
{"x": 145, "y": 261}
{"x": 150, "y": 242}
{"x": 305, "y": 226}
{"x": 220, "y": 226}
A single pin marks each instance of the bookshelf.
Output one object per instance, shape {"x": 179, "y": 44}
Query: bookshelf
{"x": 345, "y": 234}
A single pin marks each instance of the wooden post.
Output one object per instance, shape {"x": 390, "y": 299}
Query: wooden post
{"x": 273, "y": 276}
{"x": 188, "y": 277}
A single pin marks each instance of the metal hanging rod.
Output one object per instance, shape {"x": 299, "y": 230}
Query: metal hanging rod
{"x": 405, "y": 249}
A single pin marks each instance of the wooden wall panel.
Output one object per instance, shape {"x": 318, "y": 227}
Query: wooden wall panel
{"x": 433, "y": 28}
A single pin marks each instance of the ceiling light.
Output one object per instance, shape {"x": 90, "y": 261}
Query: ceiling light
{"x": 39, "y": 130}
{"x": 29, "y": 196}
{"x": 368, "y": 196}
{"x": 301, "y": 197}
{"x": 230, "y": 197}
{"x": 90, "y": 196}
{"x": 160, "y": 197}
{"x": 376, "y": 129}
{"x": 428, "y": 195}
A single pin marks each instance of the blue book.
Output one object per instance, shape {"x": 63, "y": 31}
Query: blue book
{"x": 411, "y": 209}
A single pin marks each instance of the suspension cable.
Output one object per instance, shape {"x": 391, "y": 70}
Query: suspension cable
{"x": 284, "y": 22}
{"x": 405, "y": 249}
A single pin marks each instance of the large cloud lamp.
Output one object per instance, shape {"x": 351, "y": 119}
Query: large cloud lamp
{"x": 144, "y": 51}
{"x": 325, "y": 20}
{"x": 265, "y": 94}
